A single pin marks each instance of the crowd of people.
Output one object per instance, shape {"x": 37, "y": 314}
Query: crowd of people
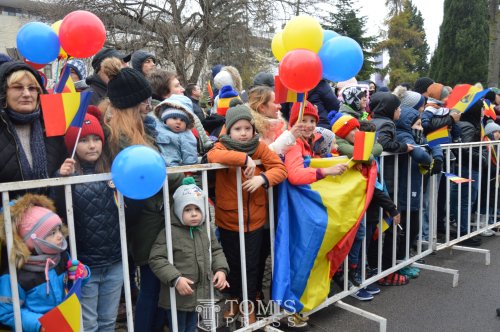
{"x": 134, "y": 102}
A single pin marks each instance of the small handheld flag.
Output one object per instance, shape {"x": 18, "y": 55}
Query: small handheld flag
{"x": 66, "y": 317}
{"x": 210, "y": 90}
{"x": 439, "y": 136}
{"x": 386, "y": 223}
{"x": 285, "y": 95}
{"x": 455, "y": 178}
{"x": 363, "y": 145}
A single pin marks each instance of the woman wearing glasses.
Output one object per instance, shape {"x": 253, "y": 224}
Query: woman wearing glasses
{"x": 128, "y": 103}
{"x": 26, "y": 153}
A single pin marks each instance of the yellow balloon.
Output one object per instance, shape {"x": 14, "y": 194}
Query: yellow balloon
{"x": 55, "y": 27}
{"x": 303, "y": 32}
{"x": 277, "y": 46}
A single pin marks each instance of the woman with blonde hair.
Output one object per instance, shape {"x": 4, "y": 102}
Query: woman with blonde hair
{"x": 268, "y": 121}
{"x": 129, "y": 102}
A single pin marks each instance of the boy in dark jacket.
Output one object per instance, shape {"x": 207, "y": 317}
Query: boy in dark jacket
{"x": 191, "y": 272}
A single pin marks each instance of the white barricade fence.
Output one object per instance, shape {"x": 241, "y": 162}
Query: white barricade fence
{"x": 424, "y": 242}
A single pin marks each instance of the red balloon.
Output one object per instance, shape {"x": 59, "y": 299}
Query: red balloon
{"x": 82, "y": 34}
{"x": 36, "y": 66}
{"x": 300, "y": 70}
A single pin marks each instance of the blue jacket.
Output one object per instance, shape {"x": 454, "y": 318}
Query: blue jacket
{"x": 419, "y": 156}
{"x": 33, "y": 297}
{"x": 177, "y": 149}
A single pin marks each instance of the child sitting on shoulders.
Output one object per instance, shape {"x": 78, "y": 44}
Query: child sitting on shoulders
{"x": 298, "y": 173}
{"x": 191, "y": 258}
{"x": 43, "y": 265}
{"x": 173, "y": 134}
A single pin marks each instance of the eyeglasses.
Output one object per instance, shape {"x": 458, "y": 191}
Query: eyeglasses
{"x": 19, "y": 89}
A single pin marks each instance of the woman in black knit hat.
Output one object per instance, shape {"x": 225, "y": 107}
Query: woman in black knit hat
{"x": 128, "y": 103}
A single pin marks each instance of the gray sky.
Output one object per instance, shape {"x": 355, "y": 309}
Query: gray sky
{"x": 432, "y": 12}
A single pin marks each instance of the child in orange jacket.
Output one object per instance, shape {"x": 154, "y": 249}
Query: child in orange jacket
{"x": 240, "y": 146}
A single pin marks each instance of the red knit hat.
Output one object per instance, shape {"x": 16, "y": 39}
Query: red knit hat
{"x": 37, "y": 223}
{"x": 91, "y": 126}
{"x": 309, "y": 109}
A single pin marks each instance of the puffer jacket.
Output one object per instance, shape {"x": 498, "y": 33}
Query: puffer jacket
{"x": 254, "y": 204}
{"x": 97, "y": 227}
{"x": 191, "y": 260}
{"x": 298, "y": 173}
{"x": 324, "y": 99}
{"x": 419, "y": 156}
{"x": 177, "y": 149}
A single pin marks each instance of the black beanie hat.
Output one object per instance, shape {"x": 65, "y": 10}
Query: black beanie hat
{"x": 104, "y": 54}
{"x": 129, "y": 88}
{"x": 422, "y": 84}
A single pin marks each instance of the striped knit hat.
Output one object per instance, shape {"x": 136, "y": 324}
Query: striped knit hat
{"x": 342, "y": 124}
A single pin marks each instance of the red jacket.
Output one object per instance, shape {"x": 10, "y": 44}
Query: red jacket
{"x": 294, "y": 162}
{"x": 255, "y": 204}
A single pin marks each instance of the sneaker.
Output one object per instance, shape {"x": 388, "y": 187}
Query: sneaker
{"x": 487, "y": 233}
{"x": 410, "y": 272}
{"x": 471, "y": 242}
{"x": 372, "y": 289}
{"x": 296, "y": 321}
{"x": 362, "y": 295}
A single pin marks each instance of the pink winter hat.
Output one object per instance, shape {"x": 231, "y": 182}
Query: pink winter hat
{"x": 37, "y": 222}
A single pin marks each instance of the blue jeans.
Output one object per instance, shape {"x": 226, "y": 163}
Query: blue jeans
{"x": 101, "y": 297}
{"x": 464, "y": 199}
{"x": 186, "y": 320}
{"x": 355, "y": 252}
{"x": 148, "y": 317}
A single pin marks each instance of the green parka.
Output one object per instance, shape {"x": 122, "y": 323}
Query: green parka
{"x": 191, "y": 260}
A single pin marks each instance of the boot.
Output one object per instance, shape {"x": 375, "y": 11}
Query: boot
{"x": 233, "y": 308}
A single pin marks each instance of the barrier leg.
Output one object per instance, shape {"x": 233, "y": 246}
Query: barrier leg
{"x": 381, "y": 320}
{"x": 486, "y": 252}
{"x": 440, "y": 269}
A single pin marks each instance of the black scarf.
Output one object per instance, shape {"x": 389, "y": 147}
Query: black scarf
{"x": 247, "y": 147}
{"x": 37, "y": 144}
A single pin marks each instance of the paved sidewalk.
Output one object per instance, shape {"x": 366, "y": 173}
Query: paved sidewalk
{"x": 430, "y": 303}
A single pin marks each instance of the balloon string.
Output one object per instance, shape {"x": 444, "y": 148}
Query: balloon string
{"x": 57, "y": 75}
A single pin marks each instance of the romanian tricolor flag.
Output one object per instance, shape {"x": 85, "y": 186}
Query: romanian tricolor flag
{"x": 210, "y": 90}
{"x": 438, "y": 136}
{"x": 66, "y": 317}
{"x": 463, "y": 96}
{"x": 455, "y": 178}
{"x": 61, "y": 110}
{"x": 489, "y": 111}
{"x": 284, "y": 95}
{"x": 363, "y": 145}
{"x": 386, "y": 223}
{"x": 317, "y": 224}
{"x": 493, "y": 149}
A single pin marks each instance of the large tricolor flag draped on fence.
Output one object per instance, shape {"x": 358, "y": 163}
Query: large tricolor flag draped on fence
{"x": 317, "y": 224}
{"x": 61, "y": 110}
{"x": 66, "y": 317}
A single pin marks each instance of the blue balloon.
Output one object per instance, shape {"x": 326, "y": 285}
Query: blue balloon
{"x": 342, "y": 58}
{"x": 329, "y": 34}
{"x": 138, "y": 172}
{"x": 38, "y": 43}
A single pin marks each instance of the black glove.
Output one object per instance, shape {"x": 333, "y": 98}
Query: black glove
{"x": 437, "y": 167}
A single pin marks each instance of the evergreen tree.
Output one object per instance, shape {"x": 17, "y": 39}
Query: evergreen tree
{"x": 421, "y": 52}
{"x": 345, "y": 21}
{"x": 462, "y": 52}
{"x": 404, "y": 39}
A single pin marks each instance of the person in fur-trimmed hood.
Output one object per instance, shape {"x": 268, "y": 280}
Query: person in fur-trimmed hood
{"x": 42, "y": 263}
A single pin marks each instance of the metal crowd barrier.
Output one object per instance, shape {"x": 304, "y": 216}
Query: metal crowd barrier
{"x": 271, "y": 323}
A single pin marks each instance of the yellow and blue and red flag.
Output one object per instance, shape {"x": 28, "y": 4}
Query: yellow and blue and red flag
{"x": 457, "y": 179}
{"x": 386, "y": 223}
{"x": 463, "y": 96}
{"x": 284, "y": 95}
{"x": 438, "y": 136}
{"x": 317, "y": 224}
{"x": 66, "y": 317}
{"x": 363, "y": 145}
{"x": 62, "y": 110}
